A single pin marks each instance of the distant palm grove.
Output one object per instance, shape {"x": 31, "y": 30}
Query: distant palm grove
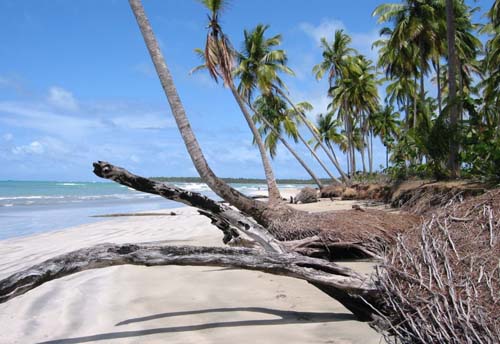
{"x": 440, "y": 71}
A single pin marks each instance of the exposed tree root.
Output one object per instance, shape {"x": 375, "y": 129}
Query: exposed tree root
{"x": 441, "y": 281}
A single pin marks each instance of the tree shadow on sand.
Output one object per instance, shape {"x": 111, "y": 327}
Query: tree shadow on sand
{"x": 285, "y": 317}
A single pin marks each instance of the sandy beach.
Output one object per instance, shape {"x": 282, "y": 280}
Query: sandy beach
{"x": 130, "y": 304}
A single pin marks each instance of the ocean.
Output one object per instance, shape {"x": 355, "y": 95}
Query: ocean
{"x": 29, "y": 207}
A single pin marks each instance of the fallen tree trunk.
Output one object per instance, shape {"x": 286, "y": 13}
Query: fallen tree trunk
{"x": 228, "y": 220}
{"x": 329, "y": 277}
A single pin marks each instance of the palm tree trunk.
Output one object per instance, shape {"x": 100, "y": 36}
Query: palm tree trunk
{"x": 353, "y": 156}
{"x": 386, "y": 156}
{"x": 344, "y": 177}
{"x": 290, "y": 149}
{"x": 274, "y": 193}
{"x": 460, "y": 104}
{"x": 223, "y": 190}
{"x": 348, "y": 149}
{"x": 329, "y": 145}
{"x": 313, "y": 153}
{"x": 438, "y": 79}
{"x": 422, "y": 74}
{"x": 363, "y": 158}
{"x": 415, "y": 106}
{"x": 301, "y": 162}
{"x": 350, "y": 141}
{"x": 371, "y": 151}
{"x": 453, "y": 164}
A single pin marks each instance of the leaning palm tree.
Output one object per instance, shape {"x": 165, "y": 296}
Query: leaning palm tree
{"x": 296, "y": 113}
{"x": 219, "y": 60}
{"x": 271, "y": 111}
{"x": 259, "y": 66}
{"x": 327, "y": 128}
{"x": 221, "y": 188}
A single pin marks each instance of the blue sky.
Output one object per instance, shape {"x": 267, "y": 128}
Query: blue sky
{"x": 77, "y": 84}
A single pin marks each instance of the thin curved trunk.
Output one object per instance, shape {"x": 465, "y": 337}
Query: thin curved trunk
{"x": 274, "y": 193}
{"x": 290, "y": 149}
{"x": 329, "y": 145}
{"x": 313, "y": 153}
{"x": 345, "y": 178}
{"x": 222, "y": 189}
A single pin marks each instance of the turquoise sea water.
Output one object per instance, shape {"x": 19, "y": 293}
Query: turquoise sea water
{"x": 29, "y": 207}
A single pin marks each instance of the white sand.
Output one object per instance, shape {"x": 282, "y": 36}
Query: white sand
{"x": 130, "y": 304}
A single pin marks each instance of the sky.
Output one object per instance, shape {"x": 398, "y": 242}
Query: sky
{"x": 77, "y": 84}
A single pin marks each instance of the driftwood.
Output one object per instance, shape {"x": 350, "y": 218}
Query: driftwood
{"x": 312, "y": 270}
{"x": 227, "y": 219}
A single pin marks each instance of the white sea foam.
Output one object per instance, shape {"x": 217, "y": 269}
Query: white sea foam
{"x": 194, "y": 186}
{"x": 29, "y": 197}
{"x": 70, "y": 184}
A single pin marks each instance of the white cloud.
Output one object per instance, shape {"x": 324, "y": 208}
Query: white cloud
{"x": 8, "y": 137}
{"x": 63, "y": 99}
{"x": 38, "y": 117}
{"x": 49, "y": 146}
{"x": 325, "y": 29}
{"x": 361, "y": 41}
{"x": 154, "y": 120}
{"x": 34, "y": 147}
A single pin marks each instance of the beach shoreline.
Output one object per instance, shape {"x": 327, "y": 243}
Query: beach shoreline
{"x": 135, "y": 304}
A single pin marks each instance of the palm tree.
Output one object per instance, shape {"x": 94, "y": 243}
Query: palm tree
{"x": 219, "y": 60}
{"x": 337, "y": 62}
{"x": 327, "y": 128}
{"x": 355, "y": 97}
{"x": 259, "y": 67}
{"x": 491, "y": 84}
{"x": 296, "y": 113}
{"x": 275, "y": 121}
{"x": 386, "y": 125}
{"x": 416, "y": 23}
{"x": 259, "y": 64}
{"x": 334, "y": 57}
{"x": 221, "y": 188}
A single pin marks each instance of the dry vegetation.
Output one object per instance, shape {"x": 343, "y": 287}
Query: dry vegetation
{"x": 441, "y": 280}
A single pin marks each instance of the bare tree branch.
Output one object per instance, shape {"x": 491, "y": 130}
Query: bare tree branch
{"x": 327, "y": 276}
{"x": 229, "y": 220}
